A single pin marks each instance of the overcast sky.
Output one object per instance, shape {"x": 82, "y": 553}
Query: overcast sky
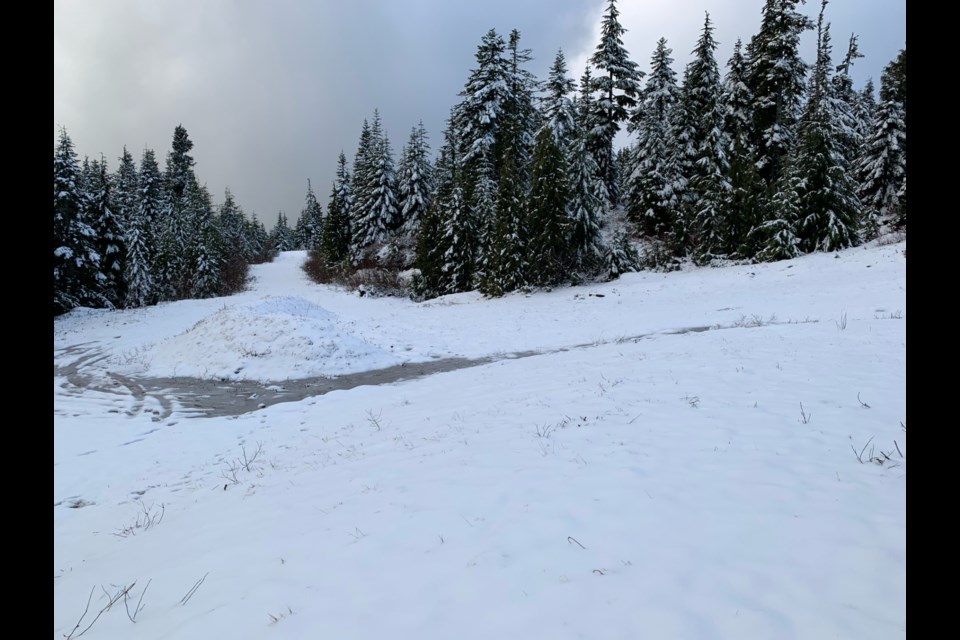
{"x": 270, "y": 92}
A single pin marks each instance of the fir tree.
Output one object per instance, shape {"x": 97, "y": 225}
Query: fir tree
{"x": 281, "y": 237}
{"x": 415, "y": 181}
{"x": 125, "y": 190}
{"x": 141, "y": 268}
{"x": 109, "y": 242}
{"x": 776, "y": 80}
{"x": 433, "y": 250}
{"x": 547, "y": 253}
{"x": 506, "y": 266}
{"x": 709, "y": 183}
{"x": 375, "y": 214}
{"x": 882, "y": 169}
{"x": 558, "y": 110}
{"x": 76, "y": 276}
{"x": 519, "y": 111}
{"x": 235, "y": 249}
{"x": 828, "y": 203}
{"x": 335, "y": 245}
{"x": 617, "y": 87}
{"x": 776, "y": 237}
{"x": 747, "y": 190}
{"x": 585, "y": 211}
{"x": 205, "y": 249}
{"x": 650, "y": 200}
{"x": 310, "y": 223}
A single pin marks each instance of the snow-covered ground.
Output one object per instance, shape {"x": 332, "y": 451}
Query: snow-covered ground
{"x": 652, "y": 474}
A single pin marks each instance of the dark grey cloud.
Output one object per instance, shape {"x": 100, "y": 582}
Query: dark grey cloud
{"x": 270, "y": 92}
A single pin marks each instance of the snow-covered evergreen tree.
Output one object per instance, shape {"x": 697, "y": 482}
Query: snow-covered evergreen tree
{"x": 882, "y": 168}
{"x": 828, "y": 204}
{"x": 506, "y": 266}
{"x": 747, "y": 191}
{"x": 617, "y": 87}
{"x": 375, "y": 209}
{"x": 435, "y": 259}
{"x": 556, "y": 105}
{"x": 709, "y": 186}
{"x": 235, "y": 250}
{"x": 205, "y": 250}
{"x": 171, "y": 271}
{"x": 520, "y": 112}
{"x": 776, "y": 80}
{"x": 124, "y": 194}
{"x": 547, "y": 221}
{"x": 141, "y": 235}
{"x": 775, "y": 238}
{"x": 650, "y": 198}
{"x": 335, "y": 245}
{"x": 109, "y": 242}
{"x": 585, "y": 210}
{"x": 415, "y": 181}
{"x": 309, "y": 227}
{"x": 76, "y": 264}
{"x": 281, "y": 237}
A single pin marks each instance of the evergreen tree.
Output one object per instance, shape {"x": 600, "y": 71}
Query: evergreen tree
{"x": 478, "y": 117}
{"x": 434, "y": 254}
{"x": 650, "y": 199}
{"x": 621, "y": 256}
{"x": 519, "y": 111}
{"x": 125, "y": 190}
{"x": 558, "y": 110}
{"x": 776, "y": 80}
{"x": 548, "y": 254}
{"x": 618, "y": 87}
{"x": 893, "y": 88}
{"x": 335, "y": 245}
{"x": 882, "y": 169}
{"x": 585, "y": 210}
{"x": 75, "y": 260}
{"x": 375, "y": 209}
{"x": 709, "y": 182}
{"x": 204, "y": 258}
{"x": 415, "y": 180}
{"x": 310, "y": 224}
{"x": 776, "y": 237}
{"x": 109, "y": 242}
{"x": 507, "y": 266}
{"x": 747, "y": 191}
{"x": 141, "y": 236}
{"x": 235, "y": 250}
{"x": 360, "y": 182}
{"x": 172, "y": 272}
{"x": 282, "y": 237}
{"x": 828, "y": 203}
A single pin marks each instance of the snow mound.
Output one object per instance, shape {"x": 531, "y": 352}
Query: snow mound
{"x": 277, "y": 338}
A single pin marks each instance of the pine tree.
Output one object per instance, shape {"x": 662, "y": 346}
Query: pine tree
{"x": 109, "y": 242}
{"x": 235, "y": 253}
{"x": 335, "y": 246}
{"x": 375, "y": 209}
{"x": 433, "y": 248}
{"x": 415, "y": 181}
{"x": 585, "y": 211}
{"x": 507, "y": 266}
{"x": 709, "y": 182}
{"x": 776, "y": 80}
{"x": 650, "y": 201}
{"x": 618, "y": 87}
{"x": 310, "y": 224}
{"x": 282, "y": 237}
{"x": 141, "y": 235}
{"x": 893, "y": 88}
{"x": 882, "y": 169}
{"x": 75, "y": 260}
{"x": 621, "y": 256}
{"x": 520, "y": 113}
{"x": 776, "y": 237}
{"x": 548, "y": 224}
{"x": 172, "y": 273}
{"x": 124, "y": 195}
{"x": 557, "y": 107}
{"x": 745, "y": 199}
{"x": 828, "y": 203}
{"x": 478, "y": 117}
{"x": 205, "y": 250}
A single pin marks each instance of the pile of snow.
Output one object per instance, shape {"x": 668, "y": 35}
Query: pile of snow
{"x": 275, "y": 338}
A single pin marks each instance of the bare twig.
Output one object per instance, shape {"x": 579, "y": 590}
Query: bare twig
{"x": 185, "y": 599}
{"x": 374, "y": 420}
{"x": 85, "y": 611}
{"x": 111, "y": 600}
{"x": 572, "y": 539}
{"x": 133, "y": 617}
{"x": 256, "y": 454}
{"x": 860, "y": 455}
{"x": 898, "y": 448}
{"x": 804, "y": 416}
{"x": 862, "y": 403}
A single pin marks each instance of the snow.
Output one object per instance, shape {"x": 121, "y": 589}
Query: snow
{"x": 649, "y": 474}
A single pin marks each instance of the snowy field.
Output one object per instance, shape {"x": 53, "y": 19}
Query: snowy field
{"x": 652, "y": 474}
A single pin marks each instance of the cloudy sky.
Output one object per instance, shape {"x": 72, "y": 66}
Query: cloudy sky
{"x": 270, "y": 92}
